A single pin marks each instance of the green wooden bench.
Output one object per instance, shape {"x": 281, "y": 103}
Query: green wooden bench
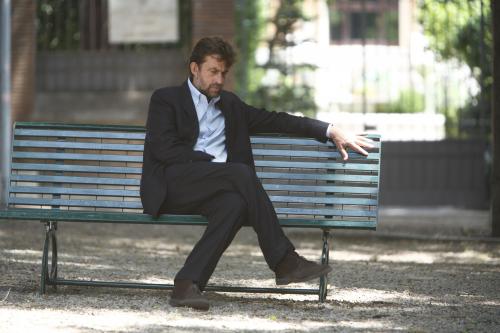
{"x": 91, "y": 174}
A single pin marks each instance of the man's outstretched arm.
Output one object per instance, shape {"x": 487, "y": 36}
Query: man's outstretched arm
{"x": 261, "y": 120}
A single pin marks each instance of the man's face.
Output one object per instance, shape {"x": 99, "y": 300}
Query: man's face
{"x": 209, "y": 76}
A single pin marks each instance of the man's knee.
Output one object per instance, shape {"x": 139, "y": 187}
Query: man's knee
{"x": 235, "y": 203}
{"x": 242, "y": 172}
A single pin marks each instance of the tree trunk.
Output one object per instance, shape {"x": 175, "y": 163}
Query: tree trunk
{"x": 495, "y": 121}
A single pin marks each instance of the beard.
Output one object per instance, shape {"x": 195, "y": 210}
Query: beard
{"x": 212, "y": 90}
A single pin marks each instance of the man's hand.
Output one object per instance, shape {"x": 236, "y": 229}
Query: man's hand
{"x": 345, "y": 140}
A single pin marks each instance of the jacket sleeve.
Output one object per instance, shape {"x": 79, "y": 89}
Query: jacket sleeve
{"x": 263, "y": 121}
{"x": 162, "y": 136}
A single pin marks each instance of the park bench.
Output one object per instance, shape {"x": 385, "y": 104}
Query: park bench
{"x": 91, "y": 174}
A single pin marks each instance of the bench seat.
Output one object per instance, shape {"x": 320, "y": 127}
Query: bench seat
{"x": 137, "y": 218}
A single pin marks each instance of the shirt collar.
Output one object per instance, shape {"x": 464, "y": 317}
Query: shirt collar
{"x": 196, "y": 95}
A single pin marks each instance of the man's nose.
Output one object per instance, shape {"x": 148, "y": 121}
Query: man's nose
{"x": 219, "y": 78}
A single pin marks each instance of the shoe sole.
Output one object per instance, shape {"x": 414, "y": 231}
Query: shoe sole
{"x": 195, "y": 304}
{"x": 316, "y": 275}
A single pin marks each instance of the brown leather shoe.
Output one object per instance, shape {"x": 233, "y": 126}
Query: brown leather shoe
{"x": 294, "y": 268}
{"x": 186, "y": 293}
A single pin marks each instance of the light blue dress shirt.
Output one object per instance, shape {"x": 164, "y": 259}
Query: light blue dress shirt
{"x": 212, "y": 137}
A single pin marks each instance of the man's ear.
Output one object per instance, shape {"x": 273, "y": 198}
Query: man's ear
{"x": 193, "y": 67}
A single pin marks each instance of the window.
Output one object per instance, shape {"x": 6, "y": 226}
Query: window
{"x": 374, "y": 20}
{"x": 83, "y": 25}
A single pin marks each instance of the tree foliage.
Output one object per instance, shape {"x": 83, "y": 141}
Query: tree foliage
{"x": 249, "y": 27}
{"x": 288, "y": 91}
{"x": 454, "y": 30}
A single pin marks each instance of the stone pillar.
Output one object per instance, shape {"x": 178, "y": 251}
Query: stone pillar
{"x": 23, "y": 58}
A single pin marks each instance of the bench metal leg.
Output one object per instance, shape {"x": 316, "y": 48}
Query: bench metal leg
{"x": 49, "y": 273}
{"x": 47, "y": 278}
{"x": 323, "y": 281}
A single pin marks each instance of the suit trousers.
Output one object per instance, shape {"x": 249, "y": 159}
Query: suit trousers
{"x": 230, "y": 196}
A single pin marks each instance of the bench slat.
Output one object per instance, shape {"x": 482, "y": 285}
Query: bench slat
{"x": 78, "y": 145}
{"x": 76, "y": 180}
{"x": 76, "y": 203}
{"x": 317, "y": 176}
{"x": 136, "y": 181}
{"x": 299, "y": 141}
{"x": 78, "y": 157}
{"x": 327, "y": 223}
{"x": 310, "y": 153}
{"x": 137, "y": 158}
{"x": 130, "y": 204}
{"x": 130, "y": 193}
{"x": 75, "y": 168}
{"x": 139, "y": 148}
{"x": 329, "y": 212}
{"x": 320, "y": 188}
{"x": 78, "y": 134}
{"x": 324, "y": 200}
{"x": 317, "y": 165}
{"x": 119, "y": 203}
{"x": 141, "y": 135}
{"x": 74, "y": 191}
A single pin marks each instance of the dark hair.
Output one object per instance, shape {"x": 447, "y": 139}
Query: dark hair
{"x": 214, "y": 46}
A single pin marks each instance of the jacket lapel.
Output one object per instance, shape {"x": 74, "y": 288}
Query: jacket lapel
{"x": 228, "y": 121}
{"x": 224, "y": 108}
{"x": 188, "y": 107}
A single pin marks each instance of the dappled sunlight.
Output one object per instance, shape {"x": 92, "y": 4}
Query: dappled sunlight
{"x": 153, "y": 280}
{"x": 250, "y": 282}
{"x": 369, "y": 324}
{"x": 490, "y": 303}
{"x": 470, "y": 256}
{"x": 25, "y": 261}
{"x": 419, "y": 257}
{"x": 239, "y": 322}
{"x": 182, "y": 319}
{"x": 90, "y": 266}
{"x": 365, "y": 295}
{"x": 23, "y": 252}
{"x": 38, "y": 254}
{"x": 66, "y": 264}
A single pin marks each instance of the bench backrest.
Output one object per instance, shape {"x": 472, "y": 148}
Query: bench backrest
{"x": 98, "y": 168}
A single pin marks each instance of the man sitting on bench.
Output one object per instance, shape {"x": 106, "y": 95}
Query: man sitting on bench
{"x": 198, "y": 160}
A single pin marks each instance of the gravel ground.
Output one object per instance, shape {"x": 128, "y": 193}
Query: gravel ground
{"x": 378, "y": 284}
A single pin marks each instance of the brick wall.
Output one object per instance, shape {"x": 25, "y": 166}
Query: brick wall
{"x": 23, "y": 58}
{"x": 214, "y": 18}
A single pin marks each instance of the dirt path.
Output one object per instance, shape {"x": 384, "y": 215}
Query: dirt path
{"x": 378, "y": 284}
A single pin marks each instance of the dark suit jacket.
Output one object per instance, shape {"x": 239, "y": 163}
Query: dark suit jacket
{"x": 172, "y": 130}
